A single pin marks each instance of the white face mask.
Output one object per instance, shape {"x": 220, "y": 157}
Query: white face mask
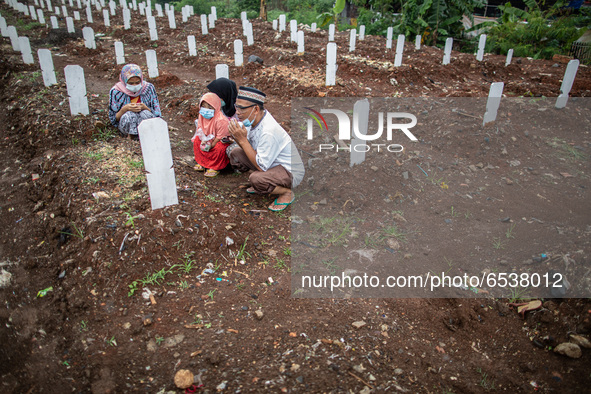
{"x": 133, "y": 88}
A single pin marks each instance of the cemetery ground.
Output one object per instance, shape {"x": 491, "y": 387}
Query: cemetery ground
{"x": 81, "y": 247}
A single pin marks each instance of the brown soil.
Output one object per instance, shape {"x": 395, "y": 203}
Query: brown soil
{"x": 95, "y": 331}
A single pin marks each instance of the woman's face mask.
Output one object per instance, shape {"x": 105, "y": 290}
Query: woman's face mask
{"x": 133, "y": 88}
{"x": 206, "y": 113}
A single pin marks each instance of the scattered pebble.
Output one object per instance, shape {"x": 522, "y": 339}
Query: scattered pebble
{"x": 569, "y": 349}
{"x": 259, "y": 314}
{"x": 359, "y": 324}
{"x": 184, "y": 379}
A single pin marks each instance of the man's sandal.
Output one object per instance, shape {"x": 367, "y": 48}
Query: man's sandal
{"x": 198, "y": 167}
{"x": 251, "y": 190}
{"x": 283, "y": 205}
{"x": 211, "y": 173}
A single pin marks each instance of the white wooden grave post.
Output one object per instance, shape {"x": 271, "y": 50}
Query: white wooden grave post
{"x": 49, "y": 7}
{"x": 331, "y": 32}
{"x": 76, "y": 15}
{"x": 106, "y": 18}
{"x": 47, "y": 70}
{"x": 3, "y": 27}
{"x": 25, "y": 47}
{"x": 159, "y": 10}
{"x": 399, "y": 50}
{"x": 152, "y": 63}
{"x": 32, "y": 12}
{"x": 238, "y": 57}
{"x": 509, "y": 57}
{"x": 494, "y": 100}
{"x": 293, "y": 30}
{"x": 214, "y": 12}
{"x": 360, "y": 127}
{"x": 352, "y": 38}
{"x": 567, "y": 83}
{"x": 152, "y": 28}
{"x": 211, "y": 21}
{"x": 78, "y": 4}
{"x": 88, "y": 34}
{"x": 119, "y": 53}
{"x": 76, "y": 90}
{"x": 134, "y": 5}
{"x": 313, "y": 27}
{"x": 361, "y": 32}
{"x": 192, "y": 45}
{"x": 126, "y": 18}
{"x": 70, "y": 25}
{"x": 171, "y": 21}
{"x": 40, "y": 16}
{"x": 275, "y": 24}
{"x": 158, "y": 163}
{"x": 222, "y": 71}
{"x": 481, "y": 45}
{"x": 244, "y": 24}
{"x": 184, "y": 16}
{"x": 112, "y": 7}
{"x": 71, "y": 3}
{"x": 54, "y": 24}
{"x": 13, "y": 38}
{"x": 204, "y": 24}
{"x": 389, "y": 38}
{"x": 89, "y": 15}
{"x": 331, "y": 64}
{"x": 65, "y": 11}
{"x": 300, "y": 42}
{"x": 281, "y": 23}
{"x": 243, "y": 15}
{"x": 249, "y": 36}
{"x": 449, "y": 43}
{"x": 418, "y": 42}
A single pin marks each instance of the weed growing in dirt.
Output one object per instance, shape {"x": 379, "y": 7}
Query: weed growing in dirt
{"x": 453, "y": 212}
{"x": 111, "y": 342}
{"x": 280, "y": 264}
{"x": 28, "y": 76}
{"x": 498, "y": 243}
{"x": 135, "y": 163}
{"x": 159, "y": 339}
{"x": 156, "y": 277}
{"x": 334, "y": 231}
{"x": 83, "y": 326}
{"x": 132, "y": 288}
{"x": 485, "y": 381}
{"x": 394, "y": 231}
{"x": 130, "y": 219}
{"x": 509, "y": 233}
{"x": 331, "y": 266}
{"x": 92, "y": 180}
{"x": 187, "y": 263}
{"x": 104, "y": 133}
{"x": 518, "y": 294}
{"x": 94, "y": 156}
{"x": 22, "y": 25}
{"x": 183, "y": 285}
{"x": 212, "y": 198}
{"x": 77, "y": 232}
{"x": 566, "y": 151}
{"x": 242, "y": 252}
{"x": 211, "y": 293}
{"x": 287, "y": 251}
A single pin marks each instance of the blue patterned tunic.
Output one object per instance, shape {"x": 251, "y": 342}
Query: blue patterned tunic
{"x": 118, "y": 99}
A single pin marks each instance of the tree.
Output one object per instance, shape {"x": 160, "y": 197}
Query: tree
{"x": 263, "y": 13}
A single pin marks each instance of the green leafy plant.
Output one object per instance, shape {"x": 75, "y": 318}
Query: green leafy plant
{"x": 132, "y": 288}
{"x": 326, "y": 17}
{"x": 509, "y": 233}
{"x": 242, "y": 252}
{"x": 112, "y": 341}
{"x": 77, "y": 231}
{"x": 211, "y": 293}
{"x": 187, "y": 263}
{"x": 159, "y": 339}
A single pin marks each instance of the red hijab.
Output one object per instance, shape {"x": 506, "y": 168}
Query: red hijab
{"x": 218, "y": 125}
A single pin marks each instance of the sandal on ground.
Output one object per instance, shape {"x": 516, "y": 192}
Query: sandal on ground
{"x": 211, "y": 173}
{"x": 282, "y": 204}
{"x": 250, "y": 190}
{"x": 198, "y": 167}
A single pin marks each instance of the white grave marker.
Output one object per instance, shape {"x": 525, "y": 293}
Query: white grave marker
{"x": 152, "y": 63}
{"x": 399, "y": 50}
{"x": 89, "y": 15}
{"x": 481, "y": 44}
{"x": 352, "y": 38}
{"x": 204, "y": 24}
{"x": 3, "y": 27}
{"x": 40, "y": 16}
{"x": 126, "y": 18}
{"x": 281, "y": 23}
{"x": 331, "y": 32}
{"x": 243, "y": 16}
{"x": 449, "y": 43}
{"x": 171, "y": 21}
{"x": 32, "y": 12}
{"x": 211, "y": 21}
{"x": 88, "y": 34}
{"x": 275, "y": 24}
{"x": 13, "y": 38}
{"x": 192, "y": 45}
{"x": 185, "y": 16}
{"x": 360, "y": 127}
{"x": 313, "y": 27}
{"x": 152, "y": 28}
{"x": 214, "y": 12}
{"x": 65, "y": 11}
{"x": 389, "y": 38}
{"x": 76, "y": 90}
{"x": 76, "y": 15}
{"x": 301, "y": 41}
{"x": 361, "y": 32}
{"x": 509, "y": 57}
{"x": 293, "y": 30}
{"x": 159, "y": 10}
{"x": 567, "y": 83}
{"x": 331, "y": 64}
{"x": 54, "y": 24}
{"x": 47, "y": 70}
{"x": 79, "y": 4}
{"x": 158, "y": 163}
{"x": 494, "y": 101}
{"x": 119, "y": 53}
{"x": 49, "y": 7}
{"x": 70, "y": 25}
{"x": 106, "y": 18}
{"x": 222, "y": 71}
{"x": 112, "y": 7}
{"x": 25, "y": 47}
{"x": 249, "y": 36}
{"x": 418, "y": 42}
{"x": 238, "y": 57}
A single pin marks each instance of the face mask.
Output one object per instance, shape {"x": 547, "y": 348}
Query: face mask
{"x": 133, "y": 88}
{"x": 206, "y": 113}
{"x": 247, "y": 122}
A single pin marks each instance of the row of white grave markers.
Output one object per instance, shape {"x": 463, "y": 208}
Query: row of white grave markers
{"x": 238, "y": 56}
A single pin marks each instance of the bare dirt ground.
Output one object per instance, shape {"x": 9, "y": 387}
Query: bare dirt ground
{"x": 76, "y": 218}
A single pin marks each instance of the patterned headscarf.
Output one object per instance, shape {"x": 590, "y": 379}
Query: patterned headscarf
{"x": 217, "y": 125}
{"x": 129, "y": 71}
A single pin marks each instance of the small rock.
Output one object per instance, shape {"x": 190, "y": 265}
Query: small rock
{"x": 448, "y": 221}
{"x": 374, "y": 168}
{"x": 173, "y": 341}
{"x": 259, "y": 314}
{"x": 405, "y": 174}
{"x": 359, "y": 324}
{"x": 255, "y": 59}
{"x": 323, "y": 202}
{"x": 509, "y": 181}
{"x": 184, "y": 379}
{"x": 473, "y": 168}
{"x": 295, "y": 367}
{"x": 359, "y": 368}
{"x": 365, "y": 390}
{"x": 393, "y": 243}
{"x": 581, "y": 341}
{"x": 300, "y": 379}
{"x": 151, "y": 345}
{"x": 569, "y": 349}
{"x": 127, "y": 326}
{"x": 398, "y": 371}
{"x": 147, "y": 321}
{"x": 222, "y": 386}
{"x": 372, "y": 378}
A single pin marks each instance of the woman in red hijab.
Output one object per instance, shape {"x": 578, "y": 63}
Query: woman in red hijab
{"x": 212, "y": 130}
